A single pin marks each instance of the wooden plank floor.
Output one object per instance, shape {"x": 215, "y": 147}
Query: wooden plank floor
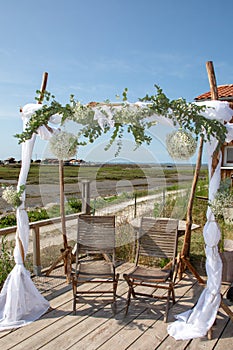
{"x": 95, "y": 327}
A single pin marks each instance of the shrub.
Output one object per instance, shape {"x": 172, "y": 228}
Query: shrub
{"x": 37, "y": 215}
{"x": 75, "y": 204}
{"x": 8, "y": 220}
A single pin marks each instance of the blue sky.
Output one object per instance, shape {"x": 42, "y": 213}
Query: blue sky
{"x": 94, "y": 49}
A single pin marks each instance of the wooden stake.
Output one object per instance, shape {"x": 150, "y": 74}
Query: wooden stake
{"x": 62, "y": 203}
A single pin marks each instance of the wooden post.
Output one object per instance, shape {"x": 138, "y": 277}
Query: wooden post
{"x": 187, "y": 237}
{"x": 212, "y": 80}
{"x": 62, "y": 203}
{"x": 36, "y": 250}
{"x": 189, "y": 221}
{"x": 36, "y": 230}
{"x": 86, "y": 208}
{"x": 66, "y": 252}
{"x": 135, "y": 204}
{"x": 215, "y": 160}
{"x": 42, "y": 90}
{"x": 214, "y": 96}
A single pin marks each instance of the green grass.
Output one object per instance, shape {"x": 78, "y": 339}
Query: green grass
{"x": 48, "y": 173}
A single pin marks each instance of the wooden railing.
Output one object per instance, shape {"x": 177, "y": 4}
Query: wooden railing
{"x": 35, "y": 227}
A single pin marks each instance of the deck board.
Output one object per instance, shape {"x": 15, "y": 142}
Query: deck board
{"x": 96, "y": 327}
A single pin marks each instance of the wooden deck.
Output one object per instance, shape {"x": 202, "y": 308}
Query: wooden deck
{"x": 95, "y": 327}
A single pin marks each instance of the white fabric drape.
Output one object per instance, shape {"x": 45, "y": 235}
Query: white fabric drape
{"x": 196, "y": 322}
{"x": 20, "y": 301}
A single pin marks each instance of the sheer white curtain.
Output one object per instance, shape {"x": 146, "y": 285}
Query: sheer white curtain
{"x": 196, "y": 322}
{"x": 20, "y": 301}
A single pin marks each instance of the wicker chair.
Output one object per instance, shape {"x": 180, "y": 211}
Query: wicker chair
{"x": 157, "y": 238}
{"x": 95, "y": 239}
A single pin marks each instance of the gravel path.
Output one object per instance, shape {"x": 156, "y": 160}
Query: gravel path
{"x": 124, "y": 211}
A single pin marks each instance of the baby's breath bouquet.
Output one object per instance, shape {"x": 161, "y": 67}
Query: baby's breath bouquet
{"x": 181, "y": 144}
{"x": 222, "y": 200}
{"x": 12, "y": 196}
{"x": 63, "y": 145}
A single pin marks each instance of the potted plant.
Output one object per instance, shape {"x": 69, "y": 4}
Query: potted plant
{"x": 222, "y": 208}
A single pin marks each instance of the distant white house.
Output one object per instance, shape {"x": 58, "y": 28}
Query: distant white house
{"x": 10, "y": 160}
{"x": 53, "y": 161}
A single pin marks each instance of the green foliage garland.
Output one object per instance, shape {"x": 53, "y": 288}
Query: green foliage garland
{"x": 135, "y": 121}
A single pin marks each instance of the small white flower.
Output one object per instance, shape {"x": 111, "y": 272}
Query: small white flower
{"x": 12, "y": 197}
{"x": 221, "y": 201}
{"x": 63, "y": 145}
{"x": 181, "y": 144}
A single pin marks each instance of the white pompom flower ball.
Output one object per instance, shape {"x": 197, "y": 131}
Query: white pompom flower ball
{"x": 63, "y": 145}
{"x": 181, "y": 144}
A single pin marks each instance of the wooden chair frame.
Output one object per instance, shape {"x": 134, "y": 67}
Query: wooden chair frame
{"x": 95, "y": 236}
{"x": 157, "y": 238}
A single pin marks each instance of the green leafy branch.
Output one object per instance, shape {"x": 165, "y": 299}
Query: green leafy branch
{"x": 187, "y": 115}
{"x": 133, "y": 120}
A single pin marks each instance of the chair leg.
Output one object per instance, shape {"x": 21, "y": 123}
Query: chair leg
{"x": 167, "y": 306}
{"x": 114, "y": 292}
{"x": 176, "y": 268}
{"x": 130, "y": 291}
{"x": 128, "y": 300}
{"x": 171, "y": 292}
{"x": 133, "y": 293}
{"x": 173, "y": 295}
{"x": 115, "y": 284}
{"x": 74, "y": 284}
{"x": 74, "y": 305}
